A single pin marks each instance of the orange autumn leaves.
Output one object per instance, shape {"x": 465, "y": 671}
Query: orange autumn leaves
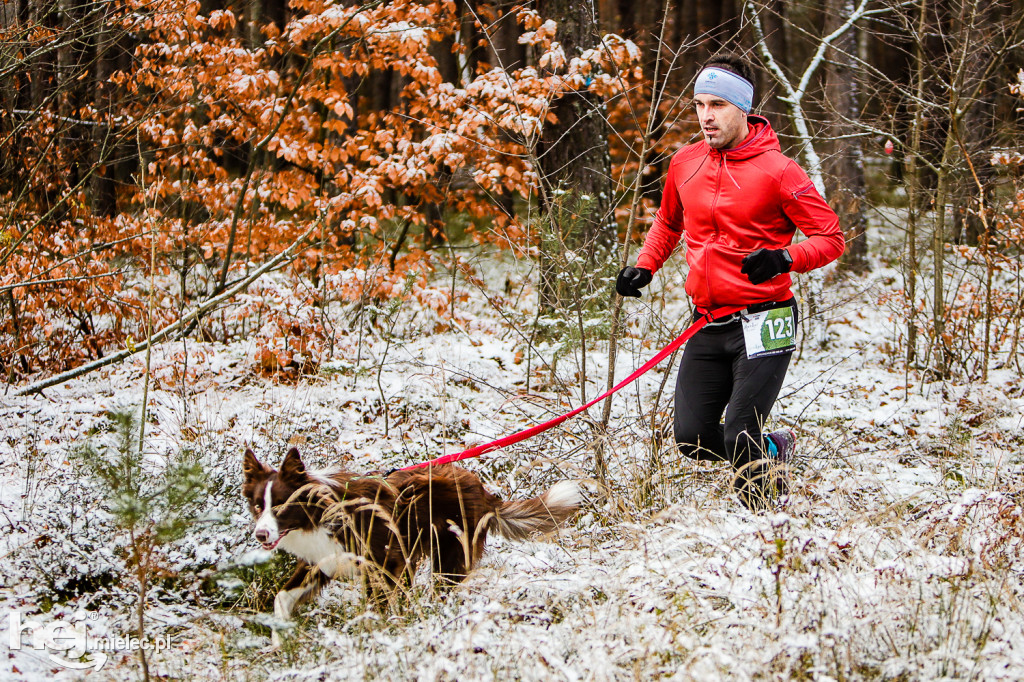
{"x": 240, "y": 138}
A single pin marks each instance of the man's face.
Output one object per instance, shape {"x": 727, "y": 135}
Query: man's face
{"x": 723, "y": 123}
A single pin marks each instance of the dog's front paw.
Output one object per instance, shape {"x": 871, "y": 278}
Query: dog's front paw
{"x": 284, "y": 606}
{"x": 280, "y": 633}
{"x": 341, "y": 565}
{"x": 285, "y": 601}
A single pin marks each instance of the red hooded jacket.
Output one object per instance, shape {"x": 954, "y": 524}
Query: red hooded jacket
{"x": 729, "y": 203}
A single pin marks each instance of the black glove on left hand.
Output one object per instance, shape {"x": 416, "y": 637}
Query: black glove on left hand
{"x": 763, "y": 264}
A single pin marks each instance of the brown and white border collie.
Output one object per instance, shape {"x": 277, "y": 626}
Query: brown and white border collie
{"x": 341, "y": 524}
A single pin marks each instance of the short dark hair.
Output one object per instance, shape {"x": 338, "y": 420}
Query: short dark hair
{"x": 730, "y": 61}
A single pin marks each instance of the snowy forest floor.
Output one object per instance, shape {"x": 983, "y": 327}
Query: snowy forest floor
{"x": 897, "y": 555}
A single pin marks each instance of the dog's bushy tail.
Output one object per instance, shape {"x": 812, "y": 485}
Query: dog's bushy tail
{"x": 520, "y": 519}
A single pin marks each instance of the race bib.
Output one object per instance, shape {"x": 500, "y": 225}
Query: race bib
{"x": 769, "y": 332}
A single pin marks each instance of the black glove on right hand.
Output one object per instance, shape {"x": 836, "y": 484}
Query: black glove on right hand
{"x": 763, "y": 264}
{"x": 631, "y": 280}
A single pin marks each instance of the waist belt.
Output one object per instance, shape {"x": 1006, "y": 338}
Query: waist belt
{"x": 749, "y": 310}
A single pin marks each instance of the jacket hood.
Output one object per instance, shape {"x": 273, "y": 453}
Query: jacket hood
{"x": 760, "y": 139}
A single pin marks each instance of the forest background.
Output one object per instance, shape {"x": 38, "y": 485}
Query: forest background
{"x": 194, "y": 142}
{"x": 284, "y": 202}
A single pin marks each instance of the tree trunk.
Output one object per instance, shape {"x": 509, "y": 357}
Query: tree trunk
{"x": 938, "y": 253}
{"x": 979, "y": 136}
{"x": 505, "y": 51}
{"x": 40, "y": 13}
{"x": 912, "y": 178}
{"x": 104, "y": 181}
{"x": 844, "y": 168}
{"x": 775, "y": 31}
{"x": 575, "y": 171}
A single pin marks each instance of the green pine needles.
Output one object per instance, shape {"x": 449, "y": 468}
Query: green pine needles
{"x": 153, "y": 500}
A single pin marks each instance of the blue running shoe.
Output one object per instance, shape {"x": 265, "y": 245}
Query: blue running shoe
{"x": 761, "y": 484}
{"x": 782, "y": 445}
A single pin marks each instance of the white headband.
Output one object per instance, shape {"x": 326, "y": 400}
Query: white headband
{"x": 727, "y": 85}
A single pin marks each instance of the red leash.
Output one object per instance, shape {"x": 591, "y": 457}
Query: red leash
{"x": 478, "y": 450}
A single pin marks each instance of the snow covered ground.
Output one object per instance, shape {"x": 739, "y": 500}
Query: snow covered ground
{"x": 897, "y": 555}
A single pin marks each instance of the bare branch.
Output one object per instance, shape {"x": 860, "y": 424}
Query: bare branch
{"x": 193, "y": 316}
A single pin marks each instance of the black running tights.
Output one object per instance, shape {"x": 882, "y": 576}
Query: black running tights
{"x": 715, "y": 373}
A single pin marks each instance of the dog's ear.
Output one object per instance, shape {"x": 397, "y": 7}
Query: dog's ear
{"x": 292, "y": 468}
{"x": 252, "y": 468}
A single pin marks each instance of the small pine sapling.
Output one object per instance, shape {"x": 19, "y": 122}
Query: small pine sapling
{"x": 153, "y": 501}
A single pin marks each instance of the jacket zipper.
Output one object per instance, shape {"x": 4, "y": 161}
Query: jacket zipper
{"x": 800, "y": 192}
{"x": 714, "y": 223}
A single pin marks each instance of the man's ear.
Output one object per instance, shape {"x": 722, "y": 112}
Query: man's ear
{"x": 252, "y": 468}
{"x": 292, "y": 468}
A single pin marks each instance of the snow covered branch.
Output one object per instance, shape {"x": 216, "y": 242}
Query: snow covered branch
{"x": 206, "y": 307}
{"x": 795, "y": 94}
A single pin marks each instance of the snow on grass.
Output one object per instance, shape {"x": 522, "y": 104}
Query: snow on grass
{"x": 897, "y": 555}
